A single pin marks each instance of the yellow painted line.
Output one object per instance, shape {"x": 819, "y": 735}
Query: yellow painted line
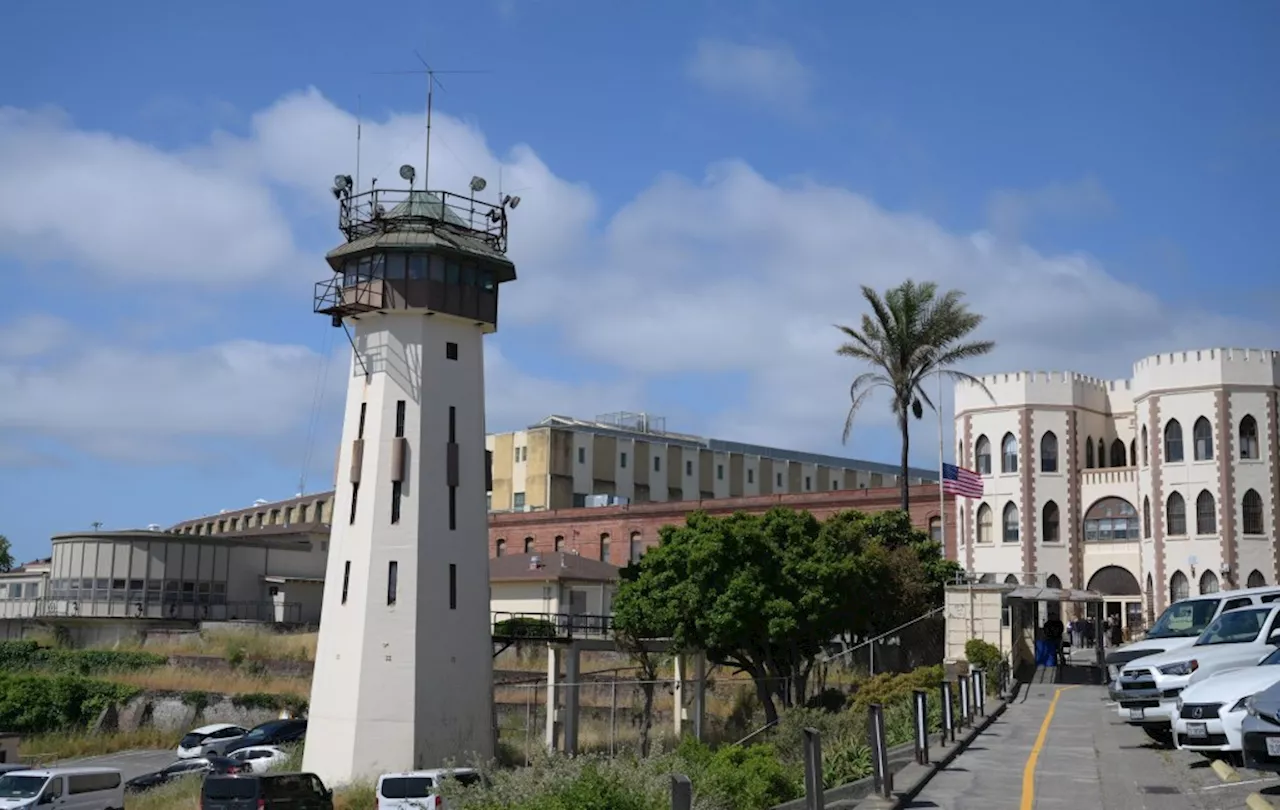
{"x": 1224, "y": 771}
{"x": 1257, "y": 801}
{"x": 1029, "y": 772}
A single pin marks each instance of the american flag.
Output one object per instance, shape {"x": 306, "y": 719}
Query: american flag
{"x": 961, "y": 482}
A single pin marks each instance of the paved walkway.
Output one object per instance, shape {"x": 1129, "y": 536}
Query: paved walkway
{"x": 1080, "y": 756}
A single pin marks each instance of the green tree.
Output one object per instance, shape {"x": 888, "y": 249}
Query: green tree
{"x": 6, "y": 554}
{"x": 760, "y": 594}
{"x": 638, "y": 620}
{"x": 910, "y": 334}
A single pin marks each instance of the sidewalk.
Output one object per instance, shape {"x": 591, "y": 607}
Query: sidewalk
{"x": 1081, "y": 756}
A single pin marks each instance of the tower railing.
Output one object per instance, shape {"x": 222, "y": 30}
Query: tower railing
{"x": 383, "y": 209}
{"x": 339, "y": 296}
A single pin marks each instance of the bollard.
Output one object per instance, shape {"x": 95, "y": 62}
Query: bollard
{"x": 964, "y": 702}
{"x": 681, "y": 792}
{"x": 948, "y": 715}
{"x": 981, "y": 692}
{"x": 975, "y": 690}
{"x": 813, "y": 799}
{"x": 922, "y": 725}
{"x": 879, "y": 750}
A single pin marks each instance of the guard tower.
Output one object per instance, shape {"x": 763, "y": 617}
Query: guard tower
{"x": 404, "y": 664}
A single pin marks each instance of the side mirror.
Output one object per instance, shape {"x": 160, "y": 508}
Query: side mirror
{"x": 46, "y": 799}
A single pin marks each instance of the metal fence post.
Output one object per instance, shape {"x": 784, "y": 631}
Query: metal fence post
{"x": 879, "y": 750}
{"x": 964, "y": 701}
{"x": 813, "y": 799}
{"x": 948, "y": 715}
{"x": 922, "y": 725}
{"x": 681, "y": 792}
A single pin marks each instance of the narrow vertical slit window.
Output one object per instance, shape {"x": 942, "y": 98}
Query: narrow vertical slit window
{"x": 453, "y": 586}
{"x": 397, "y": 489}
{"x": 453, "y": 509}
{"x": 451, "y": 351}
{"x": 346, "y": 580}
{"x": 400, "y": 419}
{"x": 355, "y": 497}
{"x": 364, "y": 409}
{"x": 453, "y": 424}
{"x": 393, "y": 572}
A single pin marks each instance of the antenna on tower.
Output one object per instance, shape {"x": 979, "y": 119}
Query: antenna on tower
{"x": 359, "y": 122}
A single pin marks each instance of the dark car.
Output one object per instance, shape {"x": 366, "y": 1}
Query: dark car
{"x": 272, "y": 732}
{"x": 196, "y": 766}
{"x": 267, "y": 791}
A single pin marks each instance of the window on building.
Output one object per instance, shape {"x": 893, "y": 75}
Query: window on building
{"x": 303, "y": 514}
{"x": 605, "y": 552}
{"x": 779, "y": 479}
{"x": 1009, "y": 454}
{"x": 984, "y": 523}
{"x": 559, "y": 545}
{"x": 400, "y": 419}
{"x": 451, "y": 351}
{"x": 982, "y": 455}
{"x": 1088, "y": 454}
{"x": 528, "y": 545}
{"x": 719, "y": 472}
{"x": 453, "y": 586}
{"x": 579, "y": 500}
{"x": 397, "y": 489}
{"x": 355, "y": 497}
{"x": 1208, "y": 582}
{"x": 622, "y": 460}
{"x": 1175, "y": 515}
{"x": 1173, "y": 441}
{"x": 1256, "y": 580}
{"x": 688, "y": 468}
{"x": 500, "y": 547}
{"x": 1118, "y": 458}
{"x": 1202, "y": 436}
{"x": 1251, "y": 509}
{"x": 364, "y": 410}
{"x": 1049, "y": 523}
{"x": 935, "y": 529}
{"x": 1146, "y": 457}
{"x": 517, "y": 500}
{"x": 751, "y": 476}
{"x": 1179, "y": 586}
{"x": 393, "y": 576}
{"x": 582, "y": 455}
{"x": 1249, "y": 438}
{"x": 346, "y": 580}
{"x": 808, "y": 483}
{"x": 1049, "y": 452}
{"x": 1206, "y": 514}
{"x": 275, "y": 518}
{"x": 1011, "y": 525}
{"x": 636, "y": 548}
{"x": 657, "y": 464}
{"x": 1146, "y": 516}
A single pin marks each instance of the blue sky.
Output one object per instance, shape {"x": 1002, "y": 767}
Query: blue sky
{"x": 705, "y": 186}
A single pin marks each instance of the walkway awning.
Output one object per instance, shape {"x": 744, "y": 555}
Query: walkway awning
{"x": 1033, "y": 593}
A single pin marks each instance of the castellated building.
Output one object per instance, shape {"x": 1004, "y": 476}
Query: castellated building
{"x": 1149, "y": 489}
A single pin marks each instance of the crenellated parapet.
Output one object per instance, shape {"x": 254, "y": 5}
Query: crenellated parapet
{"x": 1206, "y": 368}
{"x": 1051, "y": 388}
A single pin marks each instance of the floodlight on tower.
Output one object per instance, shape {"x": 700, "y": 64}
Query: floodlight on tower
{"x": 407, "y": 172}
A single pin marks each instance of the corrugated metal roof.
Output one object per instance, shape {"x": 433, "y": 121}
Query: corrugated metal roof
{"x": 554, "y": 566}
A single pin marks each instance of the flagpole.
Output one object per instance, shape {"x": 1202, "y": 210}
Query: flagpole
{"x": 942, "y": 492}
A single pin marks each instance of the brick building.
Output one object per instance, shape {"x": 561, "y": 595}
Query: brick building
{"x": 618, "y": 534}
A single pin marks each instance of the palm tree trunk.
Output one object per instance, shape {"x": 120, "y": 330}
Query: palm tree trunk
{"x": 904, "y": 426}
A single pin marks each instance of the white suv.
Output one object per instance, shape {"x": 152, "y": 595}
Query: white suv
{"x": 1148, "y": 688}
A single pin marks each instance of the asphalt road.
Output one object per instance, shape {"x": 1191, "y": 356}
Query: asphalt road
{"x": 130, "y": 763}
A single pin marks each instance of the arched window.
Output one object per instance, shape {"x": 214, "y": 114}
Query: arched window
{"x": 1151, "y": 599}
{"x": 1053, "y": 582}
{"x": 1011, "y": 579}
{"x": 1049, "y": 523}
{"x": 1008, "y": 454}
{"x": 1110, "y": 520}
{"x": 1133, "y": 453}
{"x": 1202, "y": 436}
{"x": 1251, "y": 519}
{"x": 1249, "y": 438}
{"x": 1208, "y": 582}
{"x": 1010, "y": 523}
{"x": 528, "y": 545}
{"x": 935, "y": 529}
{"x": 1206, "y": 515}
{"x": 1146, "y": 516}
{"x": 1102, "y": 454}
{"x": 982, "y": 455}
{"x": 984, "y": 523}
{"x": 1049, "y": 452}
{"x": 637, "y": 547}
{"x": 1117, "y": 454}
{"x": 1145, "y": 447}
{"x": 1088, "y": 454}
{"x": 1256, "y": 580}
{"x": 559, "y": 542}
{"x": 1173, "y": 441}
{"x": 1179, "y": 587}
{"x": 500, "y": 547}
{"x": 1175, "y": 516}
{"x": 605, "y": 551}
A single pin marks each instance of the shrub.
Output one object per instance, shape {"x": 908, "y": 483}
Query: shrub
{"x": 987, "y": 656}
{"x": 524, "y": 627}
{"x": 38, "y": 703}
{"x": 887, "y": 688}
{"x": 16, "y": 656}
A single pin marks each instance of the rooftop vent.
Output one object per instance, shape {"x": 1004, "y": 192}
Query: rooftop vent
{"x": 535, "y": 562}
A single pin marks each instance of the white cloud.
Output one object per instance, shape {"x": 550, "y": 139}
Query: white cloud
{"x": 1010, "y": 211}
{"x": 773, "y": 76}
{"x": 32, "y": 335}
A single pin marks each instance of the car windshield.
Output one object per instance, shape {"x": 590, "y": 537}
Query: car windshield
{"x": 407, "y": 787}
{"x": 1234, "y": 627}
{"x": 262, "y": 732}
{"x": 1184, "y": 619}
{"x": 21, "y": 787}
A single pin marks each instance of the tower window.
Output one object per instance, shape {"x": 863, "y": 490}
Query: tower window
{"x": 451, "y": 351}
{"x": 364, "y": 409}
{"x": 688, "y": 468}
{"x": 355, "y": 496}
{"x": 751, "y": 476}
{"x": 779, "y": 479}
{"x": 622, "y": 460}
{"x": 400, "y": 419}
{"x": 397, "y": 489}
{"x": 808, "y": 483}
{"x": 393, "y": 575}
{"x": 582, "y": 455}
{"x": 453, "y": 586}
{"x": 517, "y": 500}
{"x": 657, "y": 464}
{"x": 719, "y": 472}
{"x": 346, "y": 580}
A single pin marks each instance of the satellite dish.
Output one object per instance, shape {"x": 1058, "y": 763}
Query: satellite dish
{"x": 478, "y": 183}
{"x": 407, "y": 173}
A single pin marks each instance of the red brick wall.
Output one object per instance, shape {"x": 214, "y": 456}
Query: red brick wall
{"x": 582, "y": 528}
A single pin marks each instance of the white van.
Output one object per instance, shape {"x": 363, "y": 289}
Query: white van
{"x": 1183, "y": 622}
{"x": 63, "y": 789}
{"x": 411, "y": 790}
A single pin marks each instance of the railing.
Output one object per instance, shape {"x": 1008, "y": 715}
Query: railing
{"x": 262, "y": 611}
{"x": 1119, "y": 475}
{"x": 383, "y": 209}
{"x": 550, "y": 626}
{"x": 339, "y": 297}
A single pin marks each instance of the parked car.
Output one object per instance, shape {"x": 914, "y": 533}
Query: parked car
{"x": 1149, "y": 687}
{"x": 211, "y": 739}
{"x": 268, "y": 791}
{"x": 193, "y": 766}
{"x": 63, "y": 788}
{"x": 272, "y": 732}
{"x": 414, "y": 789}
{"x": 259, "y": 758}
{"x": 1211, "y": 711}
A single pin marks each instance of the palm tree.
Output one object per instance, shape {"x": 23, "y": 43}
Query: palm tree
{"x": 909, "y": 335}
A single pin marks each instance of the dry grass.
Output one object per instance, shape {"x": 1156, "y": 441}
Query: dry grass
{"x": 44, "y": 748}
{"x": 179, "y": 679}
{"x": 249, "y": 644}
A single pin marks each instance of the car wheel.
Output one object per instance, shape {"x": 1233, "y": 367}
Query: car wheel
{"x": 1160, "y": 734}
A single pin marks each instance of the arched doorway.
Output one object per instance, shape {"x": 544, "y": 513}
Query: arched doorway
{"x": 1122, "y": 595}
